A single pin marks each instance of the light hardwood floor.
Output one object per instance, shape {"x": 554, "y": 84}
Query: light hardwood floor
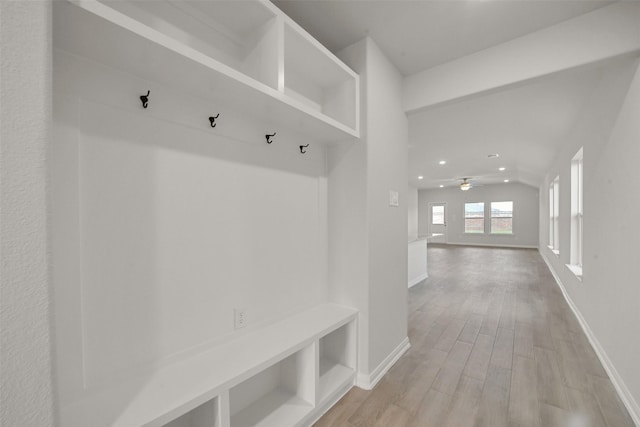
{"x": 493, "y": 343}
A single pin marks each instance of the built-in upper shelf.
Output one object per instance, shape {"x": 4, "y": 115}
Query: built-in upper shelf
{"x": 243, "y": 55}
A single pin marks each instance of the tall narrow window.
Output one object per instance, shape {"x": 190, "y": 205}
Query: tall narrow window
{"x": 502, "y": 217}
{"x": 576, "y": 211}
{"x": 551, "y": 201}
{"x": 474, "y": 217}
{"x": 437, "y": 215}
{"x": 554, "y": 213}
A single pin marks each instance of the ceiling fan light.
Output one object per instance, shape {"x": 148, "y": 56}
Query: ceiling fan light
{"x": 465, "y": 186}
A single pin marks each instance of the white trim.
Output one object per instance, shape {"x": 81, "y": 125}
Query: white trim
{"x": 369, "y": 381}
{"x": 617, "y": 381}
{"x": 319, "y": 411}
{"x": 418, "y": 279}
{"x": 492, "y": 245}
{"x": 576, "y": 270}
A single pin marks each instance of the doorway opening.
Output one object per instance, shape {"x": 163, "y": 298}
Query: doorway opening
{"x": 437, "y": 223}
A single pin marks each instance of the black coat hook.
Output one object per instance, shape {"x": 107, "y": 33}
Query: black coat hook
{"x": 212, "y": 120}
{"x": 302, "y": 148}
{"x": 145, "y": 99}
{"x": 269, "y": 141}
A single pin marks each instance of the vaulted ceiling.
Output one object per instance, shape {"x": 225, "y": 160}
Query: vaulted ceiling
{"x": 419, "y": 34}
{"x": 524, "y": 123}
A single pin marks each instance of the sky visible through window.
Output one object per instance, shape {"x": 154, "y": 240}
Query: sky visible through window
{"x": 474, "y": 217}
{"x": 502, "y": 217}
{"x": 437, "y": 215}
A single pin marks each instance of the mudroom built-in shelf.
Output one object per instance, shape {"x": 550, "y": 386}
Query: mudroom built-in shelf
{"x": 205, "y": 415}
{"x": 263, "y": 66}
{"x": 155, "y": 220}
{"x": 267, "y": 377}
{"x": 279, "y": 395}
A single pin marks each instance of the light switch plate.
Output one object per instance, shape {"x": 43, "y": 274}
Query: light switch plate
{"x": 240, "y": 317}
{"x": 393, "y": 199}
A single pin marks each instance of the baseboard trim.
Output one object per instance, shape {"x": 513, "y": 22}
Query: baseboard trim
{"x": 618, "y": 383}
{"x": 489, "y": 245}
{"x": 369, "y": 381}
{"x": 323, "y": 409}
{"x": 418, "y": 279}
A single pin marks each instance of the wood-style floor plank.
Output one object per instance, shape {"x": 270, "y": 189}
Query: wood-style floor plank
{"x": 393, "y": 416}
{"x": 503, "y": 348}
{"x": 415, "y": 389}
{"x": 478, "y": 361}
{"x": 432, "y": 410}
{"x": 523, "y": 341}
{"x": 471, "y": 328}
{"x": 523, "y": 399}
{"x": 464, "y": 404}
{"x": 585, "y": 407}
{"x": 550, "y": 387}
{"x": 493, "y": 344}
{"x": 611, "y": 406}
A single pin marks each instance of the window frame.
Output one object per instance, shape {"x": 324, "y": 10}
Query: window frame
{"x": 433, "y": 216}
{"x": 491, "y": 217}
{"x": 577, "y": 212}
{"x": 551, "y": 222}
{"x": 554, "y": 215}
{"x": 484, "y": 222}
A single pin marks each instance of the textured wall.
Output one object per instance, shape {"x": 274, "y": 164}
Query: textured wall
{"x": 25, "y": 98}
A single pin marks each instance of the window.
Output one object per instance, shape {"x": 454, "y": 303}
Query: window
{"x": 502, "y": 217}
{"x": 437, "y": 215}
{"x": 554, "y": 215}
{"x": 576, "y": 210}
{"x": 474, "y": 217}
{"x": 551, "y": 215}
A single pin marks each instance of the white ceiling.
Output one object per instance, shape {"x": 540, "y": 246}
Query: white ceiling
{"x": 525, "y": 124}
{"x": 419, "y": 34}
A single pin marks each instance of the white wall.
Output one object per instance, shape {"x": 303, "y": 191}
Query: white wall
{"x": 163, "y": 225}
{"x": 412, "y": 213}
{"x": 525, "y": 215}
{"x": 368, "y": 251}
{"x": 387, "y": 137}
{"x": 607, "y": 298}
{"x": 26, "y": 395}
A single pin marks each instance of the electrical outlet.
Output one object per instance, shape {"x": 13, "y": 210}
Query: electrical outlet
{"x": 240, "y": 316}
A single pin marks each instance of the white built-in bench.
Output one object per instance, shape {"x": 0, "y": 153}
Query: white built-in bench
{"x": 284, "y": 374}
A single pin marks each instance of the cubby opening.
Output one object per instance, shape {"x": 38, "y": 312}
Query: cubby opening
{"x": 317, "y": 80}
{"x": 337, "y": 360}
{"x": 281, "y": 395}
{"x": 205, "y": 415}
{"x": 240, "y": 34}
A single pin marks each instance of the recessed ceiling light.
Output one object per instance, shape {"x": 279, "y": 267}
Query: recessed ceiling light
{"x": 441, "y": 185}
{"x": 493, "y": 156}
{"x": 506, "y": 180}
{"x": 501, "y": 169}
{"x": 420, "y": 177}
{"x": 442, "y": 162}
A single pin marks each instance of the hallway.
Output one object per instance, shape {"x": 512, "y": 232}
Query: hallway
{"x": 493, "y": 343}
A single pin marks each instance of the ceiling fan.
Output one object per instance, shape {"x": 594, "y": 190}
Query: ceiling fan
{"x": 466, "y": 184}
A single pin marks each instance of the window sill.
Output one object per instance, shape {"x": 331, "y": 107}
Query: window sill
{"x": 555, "y": 251}
{"x": 503, "y": 234}
{"x": 472, "y": 233}
{"x": 576, "y": 270}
